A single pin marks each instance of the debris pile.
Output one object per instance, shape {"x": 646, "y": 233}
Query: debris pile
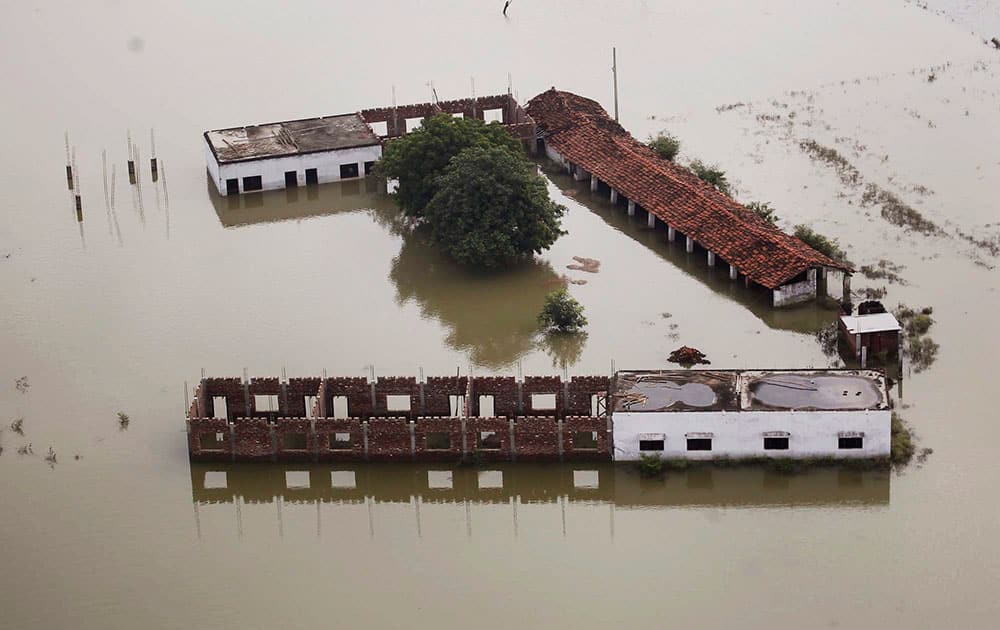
{"x": 688, "y": 356}
{"x": 589, "y": 265}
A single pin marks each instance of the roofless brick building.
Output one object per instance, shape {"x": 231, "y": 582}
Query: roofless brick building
{"x": 580, "y": 136}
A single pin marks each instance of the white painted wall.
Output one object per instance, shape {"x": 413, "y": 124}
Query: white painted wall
{"x": 797, "y": 292}
{"x": 738, "y": 434}
{"x": 272, "y": 171}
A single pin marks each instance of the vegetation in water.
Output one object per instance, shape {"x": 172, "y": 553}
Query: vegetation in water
{"x": 22, "y": 384}
{"x": 50, "y": 457}
{"x": 883, "y": 270}
{"x": 418, "y": 159}
{"x": 902, "y": 448}
{"x": 921, "y": 349}
{"x": 711, "y": 174}
{"x": 763, "y": 210}
{"x": 491, "y": 209}
{"x": 562, "y": 313}
{"x": 651, "y": 465}
{"x": 17, "y": 426}
{"x": 565, "y": 349}
{"x": 896, "y": 212}
{"x": 665, "y": 146}
{"x": 848, "y": 173}
{"x": 829, "y": 247}
{"x": 123, "y": 420}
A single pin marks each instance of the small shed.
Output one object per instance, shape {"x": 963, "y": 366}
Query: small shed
{"x": 871, "y": 333}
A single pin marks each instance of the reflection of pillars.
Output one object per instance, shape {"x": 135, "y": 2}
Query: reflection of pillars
{"x": 239, "y": 515}
{"x": 513, "y": 509}
{"x": 468, "y": 519}
{"x": 711, "y": 259}
{"x": 614, "y": 196}
{"x": 689, "y": 244}
{"x": 593, "y": 183}
{"x": 281, "y": 524}
{"x": 650, "y": 220}
{"x": 369, "y": 501}
{"x": 732, "y": 271}
{"x": 319, "y": 522}
{"x": 416, "y": 512}
{"x": 513, "y": 445}
{"x": 197, "y": 519}
{"x": 631, "y": 208}
{"x": 559, "y": 438}
{"x": 671, "y": 233}
{"x": 562, "y": 507}
{"x": 611, "y": 506}
{"x": 465, "y": 440}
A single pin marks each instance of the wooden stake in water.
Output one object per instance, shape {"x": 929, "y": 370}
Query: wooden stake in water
{"x": 104, "y": 173}
{"x": 152, "y": 157}
{"x": 131, "y": 160}
{"x": 69, "y": 165}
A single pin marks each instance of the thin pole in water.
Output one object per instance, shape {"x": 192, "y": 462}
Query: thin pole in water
{"x": 614, "y": 73}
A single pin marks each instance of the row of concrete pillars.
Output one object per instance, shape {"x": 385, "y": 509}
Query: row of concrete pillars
{"x": 579, "y": 174}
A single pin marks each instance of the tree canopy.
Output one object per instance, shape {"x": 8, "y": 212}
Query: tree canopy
{"x": 665, "y": 146}
{"x": 490, "y": 208}
{"x": 711, "y": 174}
{"x": 419, "y": 158}
{"x": 562, "y": 312}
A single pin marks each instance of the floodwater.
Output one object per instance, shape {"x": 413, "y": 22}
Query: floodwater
{"x": 116, "y": 313}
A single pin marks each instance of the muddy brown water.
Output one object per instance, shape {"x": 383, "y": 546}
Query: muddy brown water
{"x": 117, "y": 312}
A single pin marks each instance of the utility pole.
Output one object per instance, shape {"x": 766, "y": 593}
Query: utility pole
{"x": 614, "y": 74}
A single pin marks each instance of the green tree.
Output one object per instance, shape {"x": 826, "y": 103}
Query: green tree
{"x": 418, "y": 159}
{"x": 491, "y": 209}
{"x": 561, "y": 312}
{"x": 763, "y": 210}
{"x": 711, "y": 174}
{"x": 664, "y": 145}
{"x": 826, "y": 246}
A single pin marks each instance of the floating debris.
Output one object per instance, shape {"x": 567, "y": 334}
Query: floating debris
{"x": 22, "y": 384}
{"x": 50, "y": 457}
{"x": 589, "y": 265}
{"x": 17, "y": 426}
{"x": 123, "y": 420}
{"x": 688, "y": 356}
{"x": 25, "y": 449}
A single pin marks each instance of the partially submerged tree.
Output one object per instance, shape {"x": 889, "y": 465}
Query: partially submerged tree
{"x": 664, "y": 145}
{"x": 417, "y": 159}
{"x": 829, "y": 247}
{"x": 763, "y": 210}
{"x": 561, "y": 312}
{"x": 492, "y": 209}
{"x": 711, "y": 174}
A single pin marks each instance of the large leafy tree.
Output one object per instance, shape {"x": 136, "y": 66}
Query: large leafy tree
{"x": 492, "y": 209}
{"x": 417, "y": 159}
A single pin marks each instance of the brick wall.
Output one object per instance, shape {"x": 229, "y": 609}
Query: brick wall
{"x": 543, "y": 385}
{"x": 504, "y": 392}
{"x": 252, "y": 439}
{"x": 396, "y": 386}
{"x": 581, "y": 388}
{"x": 285, "y": 429}
{"x": 437, "y": 391}
{"x": 536, "y": 438}
{"x": 452, "y": 427}
{"x": 388, "y": 439}
{"x": 211, "y": 427}
{"x": 326, "y": 428}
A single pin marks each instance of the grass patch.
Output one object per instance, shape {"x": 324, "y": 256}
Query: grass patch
{"x": 896, "y": 212}
{"x": 848, "y": 173}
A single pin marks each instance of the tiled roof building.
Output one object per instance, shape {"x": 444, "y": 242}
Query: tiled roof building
{"x": 580, "y": 131}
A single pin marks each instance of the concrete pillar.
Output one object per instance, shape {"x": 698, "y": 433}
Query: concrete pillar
{"x": 559, "y": 438}
{"x": 631, "y": 208}
{"x": 614, "y": 196}
{"x": 732, "y": 272}
{"x": 651, "y": 220}
{"x": 413, "y": 439}
{"x": 671, "y": 234}
{"x": 847, "y": 287}
{"x": 513, "y": 445}
{"x": 593, "y": 183}
{"x": 689, "y": 245}
{"x": 711, "y": 259}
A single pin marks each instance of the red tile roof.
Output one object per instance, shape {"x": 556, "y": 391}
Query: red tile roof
{"x": 582, "y": 132}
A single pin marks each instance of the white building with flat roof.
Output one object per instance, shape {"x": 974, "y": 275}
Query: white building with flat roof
{"x": 291, "y": 153}
{"x": 707, "y": 414}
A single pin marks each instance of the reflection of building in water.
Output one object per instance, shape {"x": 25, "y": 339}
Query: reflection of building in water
{"x": 294, "y": 487}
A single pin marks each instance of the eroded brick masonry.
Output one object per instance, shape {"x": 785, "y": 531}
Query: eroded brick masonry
{"x": 399, "y": 418}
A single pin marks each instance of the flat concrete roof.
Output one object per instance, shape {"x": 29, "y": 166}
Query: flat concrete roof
{"x": 875, "y": 322}
{"x": 749, "y": 390}
{"x": 292, "y": 137}
{"x": 676, "y": 390}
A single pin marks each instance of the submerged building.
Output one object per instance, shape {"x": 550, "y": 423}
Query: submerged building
{"x": 578, "y": 134}
{"x": 695, "y": 414}
{"x": 326, "y": 149}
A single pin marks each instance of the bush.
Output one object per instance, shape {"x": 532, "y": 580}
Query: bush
{"x": 665, "y": 146}
{"x": 826, "y": 246}
{"x": 919, "y": 325}
{"x": 650, "y": 465}
{"x": 562, "y": 312}
{"x": 763, "y": 210}
{"x": 491, "y": 209}
{"x": 711, "y": 174}
{"x": 902, "y": 448}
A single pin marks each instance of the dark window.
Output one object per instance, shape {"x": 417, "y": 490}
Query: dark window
{"x": 252, "y": 183}
{"x": 340, "y": 441}
{"x": 348, "y": 171}
{"x": 438, "y": 441}
{"x": 699, "y": 444}
{"x": 232, "y": 186}
{"x": 850, "y": 442}
{"x": 775, "y": 444}
{"x": 211, "y": 441}
{"x": 291, "y": 179}
{"x": 585, "y": 440}
{"x": 489, "y": 440}
{"x": 296, "y": 441}
{"x": 311, "y": 177}
{"x": 650, "y": 445}
{"x": 368, "y": 167}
